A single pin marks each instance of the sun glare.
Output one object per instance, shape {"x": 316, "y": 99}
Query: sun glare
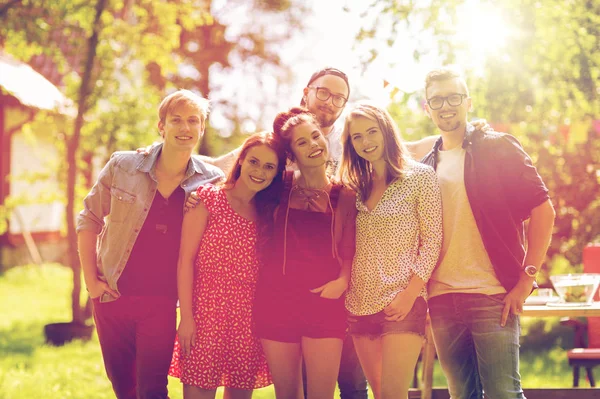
{"x": 481, "y": 28}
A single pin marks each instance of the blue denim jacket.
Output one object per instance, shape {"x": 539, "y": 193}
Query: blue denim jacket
{"x": 118, "y": 204}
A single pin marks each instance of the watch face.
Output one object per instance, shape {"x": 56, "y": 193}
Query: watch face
{"x": 531, "y": 270}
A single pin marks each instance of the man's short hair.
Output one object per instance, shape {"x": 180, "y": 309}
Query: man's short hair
{"x": 186, "y": 97}
{"x": 444, "y": 73}
{"x": 323, "y": 72}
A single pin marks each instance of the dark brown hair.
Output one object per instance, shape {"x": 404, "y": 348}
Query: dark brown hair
{"x": 286, "y": 121}
{"x": 265, "y": 200}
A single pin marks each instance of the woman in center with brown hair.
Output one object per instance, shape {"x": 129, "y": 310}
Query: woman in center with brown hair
{"x": 398, "y": 241}
{"x": 306, "y": 259}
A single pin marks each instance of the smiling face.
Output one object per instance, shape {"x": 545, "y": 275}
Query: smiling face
{"x": 325, "y": 111}
{"x": 309, "y": 145}
{"x": 182, "y": 128}
{"x": 258, "y": 168}
{"x": 367, "y": 139}
{"x": 448, "y": 118}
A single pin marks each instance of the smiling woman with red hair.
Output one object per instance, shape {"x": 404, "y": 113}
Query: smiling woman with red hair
{"x": 217, "y": 273}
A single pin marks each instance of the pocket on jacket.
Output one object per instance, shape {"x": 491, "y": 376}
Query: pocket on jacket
{"x": 121, "y": 204}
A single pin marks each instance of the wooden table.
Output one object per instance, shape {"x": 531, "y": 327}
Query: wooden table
{"x": 528, "y": 311}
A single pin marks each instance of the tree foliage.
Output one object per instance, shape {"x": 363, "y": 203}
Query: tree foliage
{"x": 541, "y": 85}
{"x": 117, "y": 58}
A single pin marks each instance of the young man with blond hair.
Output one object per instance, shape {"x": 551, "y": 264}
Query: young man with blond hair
{"x": 128, "y": 239}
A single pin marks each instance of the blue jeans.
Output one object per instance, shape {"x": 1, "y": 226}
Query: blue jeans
{"x": 475, "y": 352}
{"x": 351, "y": 378}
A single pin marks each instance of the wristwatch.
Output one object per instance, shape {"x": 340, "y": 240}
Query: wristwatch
{"x": 531, "y": 271}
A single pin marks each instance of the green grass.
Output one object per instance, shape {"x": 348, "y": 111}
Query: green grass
{"x": 34, "y": 296}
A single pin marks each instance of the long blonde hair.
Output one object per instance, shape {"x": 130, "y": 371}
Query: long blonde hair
{"x": 357, "y": 172}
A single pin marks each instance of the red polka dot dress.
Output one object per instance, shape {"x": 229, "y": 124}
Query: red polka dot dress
{"x": 227, "y": 352}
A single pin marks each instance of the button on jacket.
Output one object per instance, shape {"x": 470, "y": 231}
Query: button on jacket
{"x": 117, "y": 205}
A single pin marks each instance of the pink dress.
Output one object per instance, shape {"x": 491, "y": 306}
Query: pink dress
{"x": 227, "y": 352}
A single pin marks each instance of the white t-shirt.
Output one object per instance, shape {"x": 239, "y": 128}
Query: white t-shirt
{"x": 464, "y": 265}
{"x": 334, "y": 139}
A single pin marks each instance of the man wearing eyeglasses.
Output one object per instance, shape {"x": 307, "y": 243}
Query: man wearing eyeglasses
{"x": 326, "y": 95}
{"x": 489, "y": 187}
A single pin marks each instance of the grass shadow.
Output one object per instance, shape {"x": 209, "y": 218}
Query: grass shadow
{"x": 21, "y": 338}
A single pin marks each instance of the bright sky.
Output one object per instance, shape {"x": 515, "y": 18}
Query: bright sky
{"x": 330, "y": 40}
{"x": 480, "y": 30}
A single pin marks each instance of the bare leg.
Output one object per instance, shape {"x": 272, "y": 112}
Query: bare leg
{"x": 193, "y": 392}
{"x": 322, "y": 359}
{"x": 285, "y": 363}
{"x": 235, "y": 393}
{"x": 369, "y": 353}
{"x": 400, "y": 353}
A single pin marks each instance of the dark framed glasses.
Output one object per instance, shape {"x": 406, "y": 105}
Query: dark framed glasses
{"x": 324, "y": 94}
{"x": 454, "y": 100}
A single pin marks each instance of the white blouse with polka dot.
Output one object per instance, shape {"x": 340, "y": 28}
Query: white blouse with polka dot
{"x": 397, "y": 239}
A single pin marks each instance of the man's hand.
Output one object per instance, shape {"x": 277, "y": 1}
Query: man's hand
{"x": 99, "y": 287}
{"x": 481, "y": 124}
{"x": 334, "y": 289}
{"x": 514, "y": 300}
{"x": 146, "y": 150}
{"x": 400, "y": 306}
{"x": 187, "y": 334}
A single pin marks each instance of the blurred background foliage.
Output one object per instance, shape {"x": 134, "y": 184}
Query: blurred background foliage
{"x": 540, "y": 83}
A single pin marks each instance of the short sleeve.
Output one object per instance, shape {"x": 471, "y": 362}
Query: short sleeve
{"x": 209, "y": 195}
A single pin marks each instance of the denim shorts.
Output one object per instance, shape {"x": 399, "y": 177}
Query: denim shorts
{"x": 376, "y": 326}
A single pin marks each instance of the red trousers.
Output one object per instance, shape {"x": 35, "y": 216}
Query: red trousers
{"x": 137, "y": 335}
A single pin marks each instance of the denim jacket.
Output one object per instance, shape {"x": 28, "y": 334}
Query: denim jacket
{"x": 503, "y": 187}
{"x": 117, "y": 205}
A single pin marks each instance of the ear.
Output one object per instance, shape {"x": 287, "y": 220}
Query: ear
{"x": 202, "y": 127}
{"x": 161, "y": 125}
{"x": 428, "y": 111}
{"x": 304, "y": 93}
{"x": 469, "y": 104}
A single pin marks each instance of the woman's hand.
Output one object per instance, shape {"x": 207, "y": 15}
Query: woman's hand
{"x": 400, "y": 306}
{"x": 334, "y": 289}
{"x": 191, "y": 202}
{"x": 187, "y": 335}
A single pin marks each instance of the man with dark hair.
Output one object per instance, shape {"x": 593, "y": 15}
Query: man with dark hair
{"x": 489, "y": 188}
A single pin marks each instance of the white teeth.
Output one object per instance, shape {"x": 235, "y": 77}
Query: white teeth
{"x": 255, "y": 180}
{"x": 370, "y": 149}
{"x": 183, "y": 137}
{"x": 315, "y": 153}
{"x": 447, "y": 116}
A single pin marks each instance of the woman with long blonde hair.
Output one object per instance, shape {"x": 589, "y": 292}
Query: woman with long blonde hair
{"x": 398, "y": 240}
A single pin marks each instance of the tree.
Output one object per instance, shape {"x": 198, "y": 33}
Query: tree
{"x": 117, "y": 59}
{"x": 541, "y": 85}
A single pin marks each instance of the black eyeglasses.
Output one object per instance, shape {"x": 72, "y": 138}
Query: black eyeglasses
{"x": 453, "y": 100}
{"x": 324, "y": 94}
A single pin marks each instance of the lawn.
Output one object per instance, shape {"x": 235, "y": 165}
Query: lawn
{"x": 34, "y": 296}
